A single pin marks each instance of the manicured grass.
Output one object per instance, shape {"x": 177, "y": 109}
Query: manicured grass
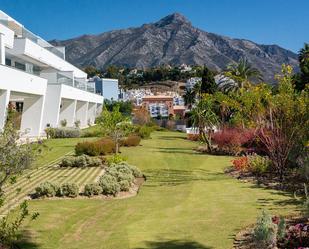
{"x": 45, "y": 169}
{"x": 187, "y": 202}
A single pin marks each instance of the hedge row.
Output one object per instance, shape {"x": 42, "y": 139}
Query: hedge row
{"x": 118, "y": 177}
{"x": 62, "y": 132}
{"x": 103, "y": 146}
{"x": 80, "y": 161}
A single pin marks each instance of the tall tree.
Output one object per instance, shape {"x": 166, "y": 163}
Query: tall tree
{"x": 204, "y": 119}
{"x": 189, "y": 98}
{"x": 303, "y": 57}
{"x": 208, "y": 84}
{"x": 242, "y": 73}
{"x": 115, "y": 125}
{"x": 14, "y": 159}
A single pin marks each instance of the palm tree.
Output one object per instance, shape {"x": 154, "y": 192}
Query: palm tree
{"x": 205, "y": 119}
{"x": 189, "y": 98}
{"x": 241, "y": 73}
{"x": 303, "y": 54}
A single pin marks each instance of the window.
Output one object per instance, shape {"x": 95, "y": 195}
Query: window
{"x": 20, "y": 66}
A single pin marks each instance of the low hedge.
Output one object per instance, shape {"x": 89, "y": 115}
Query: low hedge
{"x": 48, "y": 189}
{"x": 103, "y": 146}
{"x": 92, "y": 189}
{"x": 62, "y": 132}
{"x": 80, "y": 161}
{"x": 131, "y": 140}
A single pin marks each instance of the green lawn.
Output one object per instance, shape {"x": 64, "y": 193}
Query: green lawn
{"x": 187, "y": 202}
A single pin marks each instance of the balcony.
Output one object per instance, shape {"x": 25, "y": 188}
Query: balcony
{"x": 27, "y": 48}
{"x": 20, "y": 81}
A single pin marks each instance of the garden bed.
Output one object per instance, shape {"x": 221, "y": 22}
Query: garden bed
{"x": 245, "y": 238}
{"x": 133, "y": 191}
{"x": 292, "y": 183}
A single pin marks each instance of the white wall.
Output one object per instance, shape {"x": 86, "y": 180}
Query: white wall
{"x": 110, "y": 89}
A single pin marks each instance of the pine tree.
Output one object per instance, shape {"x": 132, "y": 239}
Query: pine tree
{"x": 208, "y": 82}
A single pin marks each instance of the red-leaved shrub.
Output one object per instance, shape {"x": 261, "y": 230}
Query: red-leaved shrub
{"x": 233, "y": 140}
{"x": 241, "y": 163}
{"x": 132, "y": 140}
{"x": 103, "y": 146}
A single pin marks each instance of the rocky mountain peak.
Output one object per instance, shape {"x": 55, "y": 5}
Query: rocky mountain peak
{"x": 175, "y": 18}
{"x": 174, "y": 41}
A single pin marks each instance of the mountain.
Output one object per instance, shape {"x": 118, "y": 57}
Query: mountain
{"x": 172, "y": 40}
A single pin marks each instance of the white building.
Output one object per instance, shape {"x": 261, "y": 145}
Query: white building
{"x": 109, "y": 88}
{"x": 192, "y": 81}
{"x": 35, "y": 74}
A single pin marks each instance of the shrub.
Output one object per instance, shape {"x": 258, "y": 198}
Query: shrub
{"x": 62, "y": 132}
{"x": 68, "y": 190}
{"x": 232, "y": 140}
{"x": 80, "y": 161}
{"x": 259, "y": 164}
{"x": 124, "y": 185}
{"x": 109, "y": 185}
{"x": 115, "y": 159}
{"x": 143, "y": 131}
{"x": 103, "y": 146}
{"x": 77, "y": 123}
{"x": 265, "y": 231}
{"x": 46, "y": 189}
{"x": 136, "y": 171}
{"x": 241, "y": 163}
{"x": 120, "y": 172}
{"x": 92, "y": 189}
{"x": 132, "y": 140}
{"x": 63, "y": 123}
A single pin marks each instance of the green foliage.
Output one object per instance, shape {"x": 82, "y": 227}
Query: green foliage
{"x": 92, "y": 189}
{"x": 80, "y": 161}
{"x": 208, "y": 84}
{"x": 46, "y": 189}
{"x": 135, "y": 171}
{"x": 241, "y": 73}
{"x": 143, "y": 131}
{"x": 303, "y": 80}
{"x": 205, "y": 119}
{"x": 265, "y": 231}
{"x": 103, "y": 146}
{"x": 62, "y": 132}
{"x": 10, "y": 225}
{"x": 109, "y": 185}
{"x": 115, "y": 125}
{"x": 115, "y": 159}
{"x": 281, "y": 228}
{"x": 259, "y": 164}
{"x": 68, "y": 190}
{"x": 63, "y": 123}
{"x": 125, "y": 107}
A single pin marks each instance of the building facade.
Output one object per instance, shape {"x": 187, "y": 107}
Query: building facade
{"x": 109, "y": 88}
{"x": 40, "y": 83}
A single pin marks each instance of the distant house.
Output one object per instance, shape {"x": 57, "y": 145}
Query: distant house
{"x": 161, "y": 105}
{"x": 192, "y": 82}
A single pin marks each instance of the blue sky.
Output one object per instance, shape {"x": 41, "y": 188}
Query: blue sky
{"x": 282, "y": 22}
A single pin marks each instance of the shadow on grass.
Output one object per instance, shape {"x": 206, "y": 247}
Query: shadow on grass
{"x": 174, "y": 244}
{"x": 173, "y": 177}
{"x": 172, "y": 150}
{"x": 26, "y": 242}
{"x": 270, "y": 203}
{"x": 172, "y": 137}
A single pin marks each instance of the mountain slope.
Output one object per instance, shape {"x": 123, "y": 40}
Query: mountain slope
{"x": 172, "y": 40}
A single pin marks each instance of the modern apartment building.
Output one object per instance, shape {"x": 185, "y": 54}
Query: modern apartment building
{"x": 40, "y": 83}
{"x": 107, "y": 87}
